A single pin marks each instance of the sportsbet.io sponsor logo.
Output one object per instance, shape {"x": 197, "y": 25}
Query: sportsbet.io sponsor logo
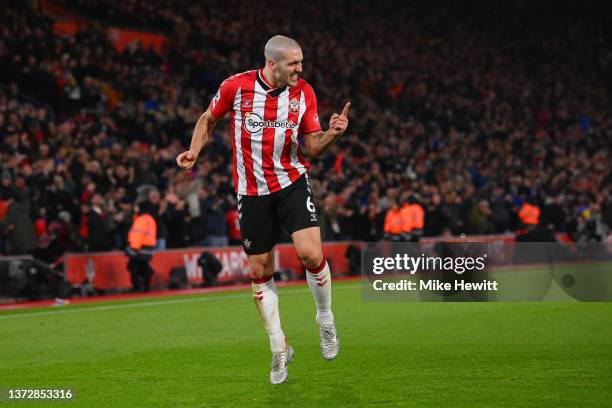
{"x": 254, "y": 123}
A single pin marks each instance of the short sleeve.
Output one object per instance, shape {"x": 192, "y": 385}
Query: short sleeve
{"x": 310, "y": 120}
{"x": 223, "y": 100}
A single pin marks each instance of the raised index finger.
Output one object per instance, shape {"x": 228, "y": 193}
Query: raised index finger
{"x": 345, "y": 111}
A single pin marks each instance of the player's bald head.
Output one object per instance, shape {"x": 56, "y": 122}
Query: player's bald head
{"x": 283, "y": 61}
{"x": 277, "y": 46}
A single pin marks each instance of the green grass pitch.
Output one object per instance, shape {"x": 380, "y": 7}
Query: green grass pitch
{"x": 211, "y": 351}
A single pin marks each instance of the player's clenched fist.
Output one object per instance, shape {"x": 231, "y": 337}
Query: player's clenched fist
{"x": 339, "y": 123}
{"x": 186, "y": 160}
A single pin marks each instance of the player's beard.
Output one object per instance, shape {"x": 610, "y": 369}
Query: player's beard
{"x": 285, "y": 79}
{"x": 289, "y": 81}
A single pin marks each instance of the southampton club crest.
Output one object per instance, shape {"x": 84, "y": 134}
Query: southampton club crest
{"x": 294, "y": 106}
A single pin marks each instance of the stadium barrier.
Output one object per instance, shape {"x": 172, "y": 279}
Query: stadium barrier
{"x": 108, "y": 270}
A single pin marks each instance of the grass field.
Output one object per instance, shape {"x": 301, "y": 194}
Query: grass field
{"x": 211, "y": 351}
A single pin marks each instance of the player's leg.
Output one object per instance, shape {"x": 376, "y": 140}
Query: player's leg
{"x": 147, "y": 274}
{"x": 260, "y": 232}
{"x": 308, "y": 246}
{"x": 265, "y": 294}
{"x": 135, "y": 279}
{"x": 297, "y": 215}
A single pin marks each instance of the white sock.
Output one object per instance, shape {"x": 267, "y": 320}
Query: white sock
{"x": 266, "y": 299}
{"x": 320, "y": 286}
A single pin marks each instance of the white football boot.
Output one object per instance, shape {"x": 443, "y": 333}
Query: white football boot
{"x": 280, "y": 361}
{"x": 330, "y": 343}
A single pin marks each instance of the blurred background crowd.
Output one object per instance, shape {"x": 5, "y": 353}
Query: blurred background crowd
{"x": 470, "y": 110}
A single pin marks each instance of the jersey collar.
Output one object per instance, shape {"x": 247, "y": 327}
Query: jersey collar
{"x": 266, "y": 86}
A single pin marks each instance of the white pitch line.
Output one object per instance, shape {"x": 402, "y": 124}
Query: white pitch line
{"x": 147, "y": 304}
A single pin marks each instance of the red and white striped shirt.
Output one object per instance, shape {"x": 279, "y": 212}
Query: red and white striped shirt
{"x": 266, "y": 124}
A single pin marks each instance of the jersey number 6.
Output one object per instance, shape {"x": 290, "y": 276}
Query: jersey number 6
{"x": 310, "y": 205}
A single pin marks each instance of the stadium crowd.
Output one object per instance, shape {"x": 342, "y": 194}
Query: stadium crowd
{"x": 469, "y": 110}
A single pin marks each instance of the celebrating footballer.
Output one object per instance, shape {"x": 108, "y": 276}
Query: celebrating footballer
{"x": 270, "y": 110}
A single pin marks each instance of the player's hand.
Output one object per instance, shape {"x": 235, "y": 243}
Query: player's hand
{"x": 339, "y": 123}
{"x": 186, "y": 160}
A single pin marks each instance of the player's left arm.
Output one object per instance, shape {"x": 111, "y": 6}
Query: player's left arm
{"x": 318, "y": 143}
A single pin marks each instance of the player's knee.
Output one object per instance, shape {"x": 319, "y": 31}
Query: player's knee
{"x": 269, "y": 262}
{"x": 311, "y": 257}
{"x": 258, "y": 268}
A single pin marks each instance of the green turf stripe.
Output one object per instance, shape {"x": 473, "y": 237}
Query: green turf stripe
{"x": 204, "y": 298}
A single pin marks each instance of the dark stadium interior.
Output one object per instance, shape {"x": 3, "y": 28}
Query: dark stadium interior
{"x": 464, "y": 256}
{"x": 470, "y": 108}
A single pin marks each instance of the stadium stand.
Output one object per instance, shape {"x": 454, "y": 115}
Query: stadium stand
{"x": 469, "y": 114}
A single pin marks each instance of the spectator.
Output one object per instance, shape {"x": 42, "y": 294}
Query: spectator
{"x": 141, "y": 244}
{"x": 97, "y": 239}
{"x": 232, "y": 218}
{"x": 122, "y": 223}
{"x": 480, "y": 219}
{"x": 160, "y": 207}
{"x": 465, "y": 114}
{"x": 529, "y": 213}
{"x": 18, "y": 228}
{"x": 178, "y": 221}
{"x": 216, "y": 228}
{"x": 393, "y": 223}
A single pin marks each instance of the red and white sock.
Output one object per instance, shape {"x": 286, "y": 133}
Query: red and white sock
{"x": 265, "y": 295}
{"x": 319, "y": 281}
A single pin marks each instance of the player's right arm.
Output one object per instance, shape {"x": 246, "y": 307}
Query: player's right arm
{"x": 202, "y": 133}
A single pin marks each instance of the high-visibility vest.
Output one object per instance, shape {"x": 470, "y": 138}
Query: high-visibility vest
{"x": 417, "y": 214}
{"x": 406, "y": 218}
{"x": 143, "y": 232}
{"x": 393, "y": 222}
{"x": 413, "y": 217}
{"x": 529, "y": 214}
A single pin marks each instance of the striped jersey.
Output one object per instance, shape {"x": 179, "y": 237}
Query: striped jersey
{"x": 266, "y": 124}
